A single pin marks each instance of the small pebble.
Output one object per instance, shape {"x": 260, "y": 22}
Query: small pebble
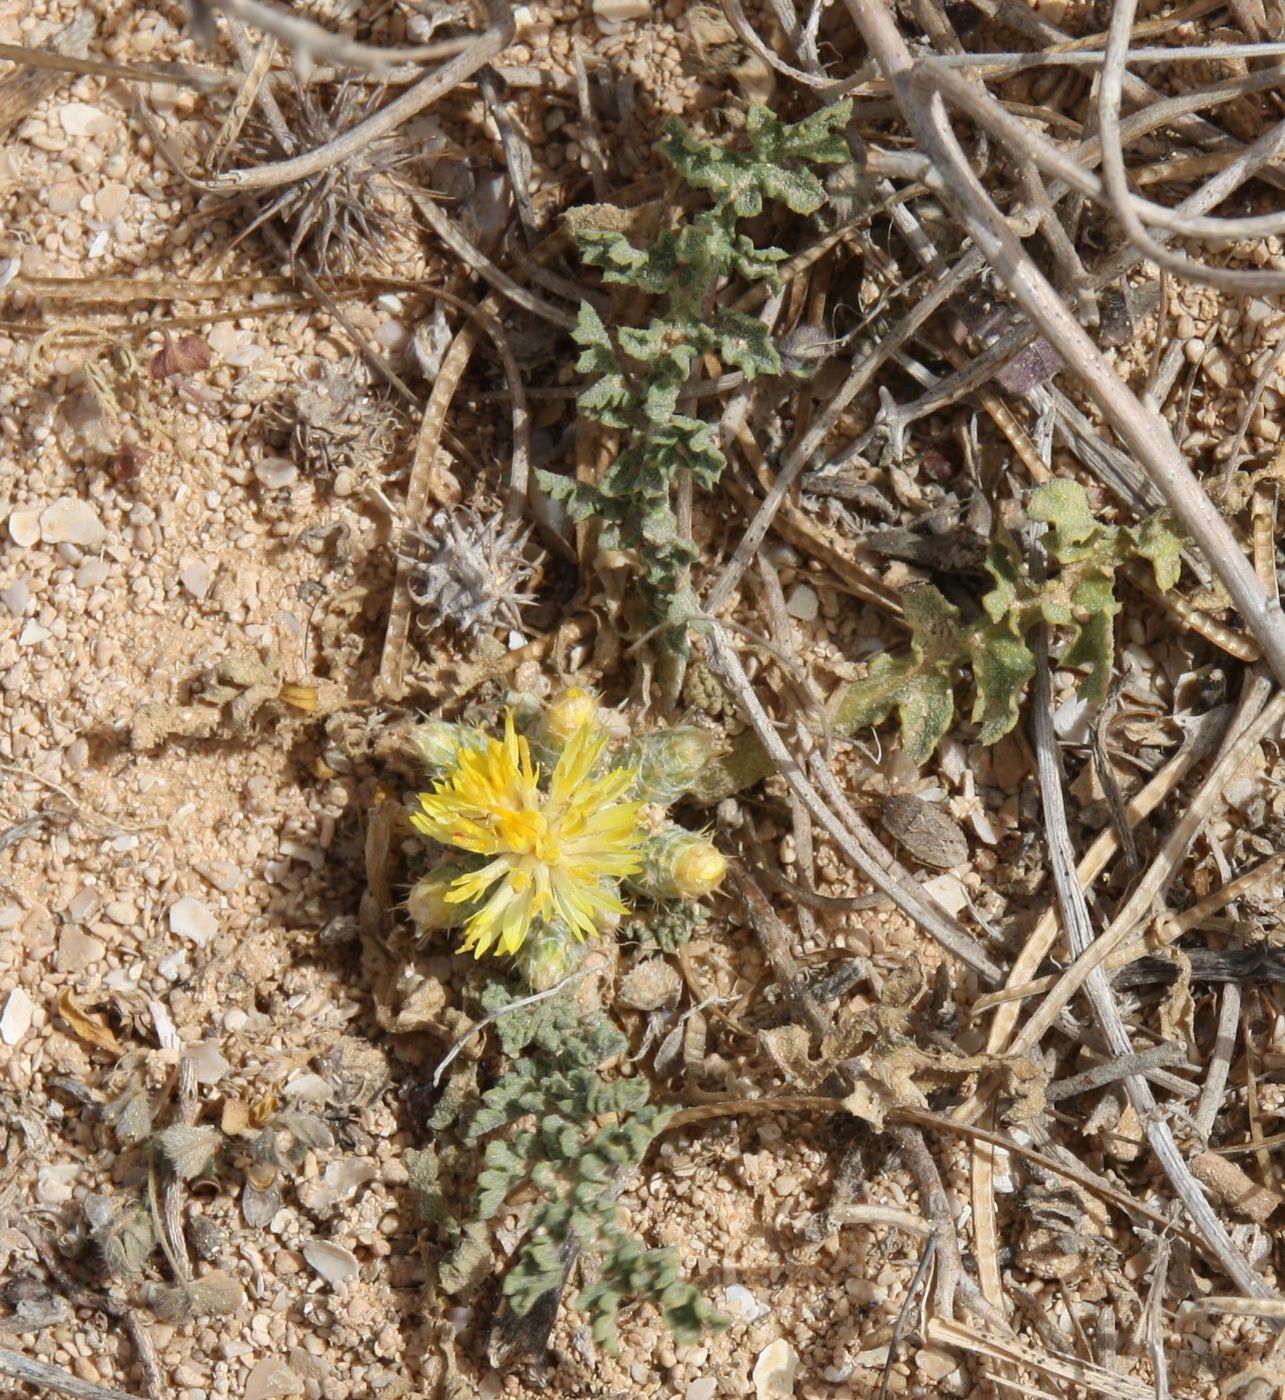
{"x": 774, "y": 1370}
{"x": 92, "y": 573}
{"x": 16, "y": 596}
{"x": 78, "y": 950}
{"x": 53, "y": 1184}
{"x": 332, "y": 1261}
{"x": 223, "y": 339}
{"x": 64, "y": 196}
{"x": 948, "y": 891}
{"x": 222, "y": 874}
{"x": 191, "y": 918}
{"x": 208, "y": 1061}
{"x": 739, "y": 1300}
{"x": 120, "y": 911}
{"x": 15, "y": 1022}
{"x": 271, "y": 1376}
{"x": 935, "y": 1363}
{"x": 33, "y": 634}
{"x": 703, "y": 1389}
{"x": 275, "y": 472}
{"x": 802, "y": 603}
{"x": 83, "y": 905}
{"x": 72, "y": 520}
{"x": 308, "y": 1088}
{"x": 24, "y": 527}
{"x": 175, "y": 967}
{"x": 614, "y": 11}
{"x": 110, "y": 200}
{"x": 392, "y": 334}
{"x": 197, "y": 578}
{"x": 80, "y": 119}
{"x": 1072, "y": 719}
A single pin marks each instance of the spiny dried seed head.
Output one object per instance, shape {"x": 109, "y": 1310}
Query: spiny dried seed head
{"x": 343, "y": 216}
{"x": 473, "y": 574}
{"x": 339, "y": 424}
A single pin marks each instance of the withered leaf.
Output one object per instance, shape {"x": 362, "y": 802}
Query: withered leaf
{"x": 185, "y": 356}
{"x": 89, "y": 1030}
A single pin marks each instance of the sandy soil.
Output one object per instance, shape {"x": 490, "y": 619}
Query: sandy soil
{"x": 183, "y": 841}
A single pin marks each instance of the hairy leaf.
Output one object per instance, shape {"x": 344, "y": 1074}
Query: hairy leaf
{"x": 639, "y": 377}
{"x": 1162, "y": 547}
{"x": 1078, "y": 594}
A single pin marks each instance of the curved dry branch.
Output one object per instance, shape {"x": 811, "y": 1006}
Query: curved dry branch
{"x": 1142, "y": 429}
{"x": 1079, "y": 934}
{"x": 480, "y": 51}
{"x": 309, "y": 40}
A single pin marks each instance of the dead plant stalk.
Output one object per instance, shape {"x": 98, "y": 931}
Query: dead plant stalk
{"x": 1079, "y": 932}
{"x": 1142, "y": 429}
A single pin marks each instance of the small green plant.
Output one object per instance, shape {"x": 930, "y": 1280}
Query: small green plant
{"x": 640, "y": 371}
{"x": 535, "y": 842}
{"x": 555, "y": 1121}
{"x": 1078, "y": 594}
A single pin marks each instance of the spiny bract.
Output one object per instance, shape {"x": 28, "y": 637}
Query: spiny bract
{"x": 474, "y": 575}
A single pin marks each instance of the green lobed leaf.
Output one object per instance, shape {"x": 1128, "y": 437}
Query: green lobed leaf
{"x": 1064, "y": 507}
{"x": 608, "y": 400}
{"x": 1093, "y": 646}
{"x": 756, "y": 264}
{"x": 1004, "y": 566}
{"x": 933, "y": 623}
{"x": 1002, "y": 664}
{"x": 799, "y": 190}
{"x": 544, "y": 1024}
{"x": 921, "y": 693}
{"x": 818, "y": 137}
{"x": 703, "y": 165}
{"x": 650, "y": 269}
{"x": 465, "y": 1266}
{"x": 1162, "y": 546}
{"x": 744, "y": 341}
{"x": 590, "y": 331}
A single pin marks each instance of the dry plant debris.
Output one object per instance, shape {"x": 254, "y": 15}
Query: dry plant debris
{"x": 319, "y": 325}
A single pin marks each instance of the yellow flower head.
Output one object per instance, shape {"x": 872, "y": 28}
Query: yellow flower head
{"x": 552, "y": 854}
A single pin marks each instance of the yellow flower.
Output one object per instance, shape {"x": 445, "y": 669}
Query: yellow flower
{"x": 552, "y": 854}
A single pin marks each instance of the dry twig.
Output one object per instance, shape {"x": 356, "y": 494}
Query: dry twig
{"x": 1079, "y": 933}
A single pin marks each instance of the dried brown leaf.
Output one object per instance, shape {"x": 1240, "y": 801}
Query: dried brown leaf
{"x": 91, "y": 1031}
{"x": 185, "y": 356}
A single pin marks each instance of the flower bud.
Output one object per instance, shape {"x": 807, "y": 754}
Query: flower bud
{"x": 667, "y": 762}
{"x": 679, "y": 865}
{"x": 567, "y": 712}
{"x": 550, "y": 952}
{"x": 427, "y": 903}
{"x": 437, "y": 744}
